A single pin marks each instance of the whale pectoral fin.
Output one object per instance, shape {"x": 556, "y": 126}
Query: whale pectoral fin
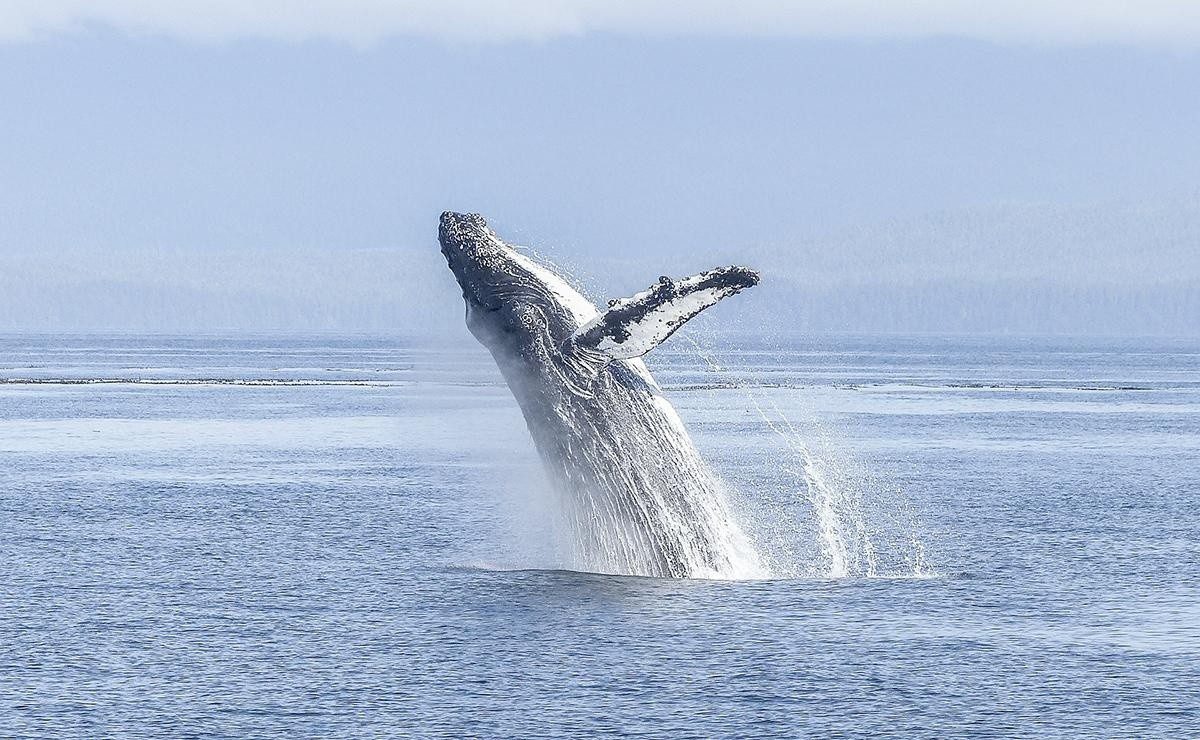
{"x": 633, "y": 326}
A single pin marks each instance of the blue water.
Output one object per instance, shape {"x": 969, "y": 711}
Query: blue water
{"x": 335, "y": 537}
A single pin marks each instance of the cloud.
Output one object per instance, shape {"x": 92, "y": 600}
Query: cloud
{"x": 1168, "y": 23}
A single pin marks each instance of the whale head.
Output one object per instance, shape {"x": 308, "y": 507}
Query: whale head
{"x": 535, "y": 322}
{"x": 513, "y": 303}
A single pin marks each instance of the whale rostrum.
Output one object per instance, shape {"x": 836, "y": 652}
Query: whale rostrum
{"x": 635, "y": 492}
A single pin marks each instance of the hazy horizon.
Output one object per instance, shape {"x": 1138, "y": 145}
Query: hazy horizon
{"x": 1023, "y": 270}
{"x": 256, "y": 175}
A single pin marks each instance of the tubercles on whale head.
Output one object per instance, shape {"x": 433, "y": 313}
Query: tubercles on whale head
{"x": 474, "y": 253}
{"x": 511, "y": 301}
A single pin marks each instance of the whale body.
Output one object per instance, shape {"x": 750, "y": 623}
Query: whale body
{"x": 638, "y": 496}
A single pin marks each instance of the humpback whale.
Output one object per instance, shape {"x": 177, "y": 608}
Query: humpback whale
{"x": 636, "y": 492}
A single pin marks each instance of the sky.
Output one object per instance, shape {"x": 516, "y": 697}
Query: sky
{"x": 363, "y": 22}
{"x": 160, "y": 149}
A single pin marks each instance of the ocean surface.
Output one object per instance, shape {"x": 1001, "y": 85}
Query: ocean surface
{"x": 318, "y": 536}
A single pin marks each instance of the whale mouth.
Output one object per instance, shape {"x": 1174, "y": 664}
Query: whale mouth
{"x": 478, "y": 305}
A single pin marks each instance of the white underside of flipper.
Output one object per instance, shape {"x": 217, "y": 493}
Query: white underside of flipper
{"x": 633, "y": 326}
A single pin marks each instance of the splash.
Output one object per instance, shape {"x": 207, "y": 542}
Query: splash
{"x": 635, "y": 495}
{"x": 637, "y": 498}
{"x": 850, "y": 524}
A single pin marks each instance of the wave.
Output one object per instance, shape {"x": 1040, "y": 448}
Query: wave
{"x": 1048, "y": 386}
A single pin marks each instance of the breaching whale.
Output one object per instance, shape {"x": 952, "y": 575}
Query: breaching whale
{"x": 640, "y": 499}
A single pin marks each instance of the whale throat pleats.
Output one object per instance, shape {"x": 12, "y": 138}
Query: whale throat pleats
{"x": 633, "y": 326}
